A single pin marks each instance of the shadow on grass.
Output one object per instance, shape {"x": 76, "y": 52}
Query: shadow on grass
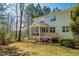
{"x": 71, "y": 50}
{"x": 12, "y": 51}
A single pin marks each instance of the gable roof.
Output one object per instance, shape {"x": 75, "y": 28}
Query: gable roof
{"x": 36, "y": 24}
{"x": 57, "y": 12}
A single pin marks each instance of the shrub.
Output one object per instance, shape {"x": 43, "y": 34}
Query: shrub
{"x": 8, "y": 37}
{"x": 5, "y": 38}
{"x": 67, "y": 43}
{"x": 2, "y": 38}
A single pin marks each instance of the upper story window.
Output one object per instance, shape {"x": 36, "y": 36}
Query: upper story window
{"x": 65, "y": 28}
{"x": 41, "y": 21}
{"x": 53, "y": 18}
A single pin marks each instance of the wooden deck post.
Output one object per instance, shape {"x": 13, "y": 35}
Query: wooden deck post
{"x": 50, "y": 36}
{"x": 50, "y": 40}
{"x": 45, "y": 33}
{"x": 39, "y": 33}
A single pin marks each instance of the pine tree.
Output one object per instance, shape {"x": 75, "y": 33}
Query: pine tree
{"x": 46, "y": 10}
{"x": 75, "y": 21}
{"x": 38, "y": 10}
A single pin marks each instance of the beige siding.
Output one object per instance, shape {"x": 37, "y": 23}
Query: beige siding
{"x": 62, "y": 19}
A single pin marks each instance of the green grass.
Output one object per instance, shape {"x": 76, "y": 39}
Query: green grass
{"x": 44, "y": 49}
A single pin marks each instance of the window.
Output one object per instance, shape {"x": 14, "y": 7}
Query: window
{"x": 53, "y": 18}
{"x": 52, "y": 29}
{"x": 43, "y": 29}
{"x": 46, "y": 29}
{"x": 41, "y": 21}
{"x": 65, "y": 29}
{"x": 34, "y": 31}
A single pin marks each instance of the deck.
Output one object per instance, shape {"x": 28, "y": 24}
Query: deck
{"x": 47, "y": 37}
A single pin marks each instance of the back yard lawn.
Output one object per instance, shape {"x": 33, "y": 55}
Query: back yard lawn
{"x": 30, "y": 49}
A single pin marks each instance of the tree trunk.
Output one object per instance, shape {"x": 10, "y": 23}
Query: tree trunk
{"x": 16, "y": 22}
{"x": 21, "y": 13}
{"x": 28, "y": 26}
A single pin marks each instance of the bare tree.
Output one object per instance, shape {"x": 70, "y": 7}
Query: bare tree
{"x": 16, "y": 21}
{"x": 28, "y": 24}
{"x": 21, "y": 13}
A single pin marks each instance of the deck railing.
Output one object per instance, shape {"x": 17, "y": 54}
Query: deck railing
{"x": 48, "y": 35}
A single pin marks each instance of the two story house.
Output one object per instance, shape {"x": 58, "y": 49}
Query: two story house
{"x": 52, "y": 25}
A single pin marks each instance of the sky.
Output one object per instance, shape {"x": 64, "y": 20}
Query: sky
{"x": 51, "y": 5}
{"x": 59, "y": 5}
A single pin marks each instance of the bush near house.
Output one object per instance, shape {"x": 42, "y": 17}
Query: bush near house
{"x": 68, "y": 43}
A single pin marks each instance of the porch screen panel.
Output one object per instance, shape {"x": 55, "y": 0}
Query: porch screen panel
{"x": 35, "y": 31}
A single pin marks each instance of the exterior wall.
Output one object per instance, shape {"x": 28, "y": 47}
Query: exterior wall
{"x": 62, "y": 19}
